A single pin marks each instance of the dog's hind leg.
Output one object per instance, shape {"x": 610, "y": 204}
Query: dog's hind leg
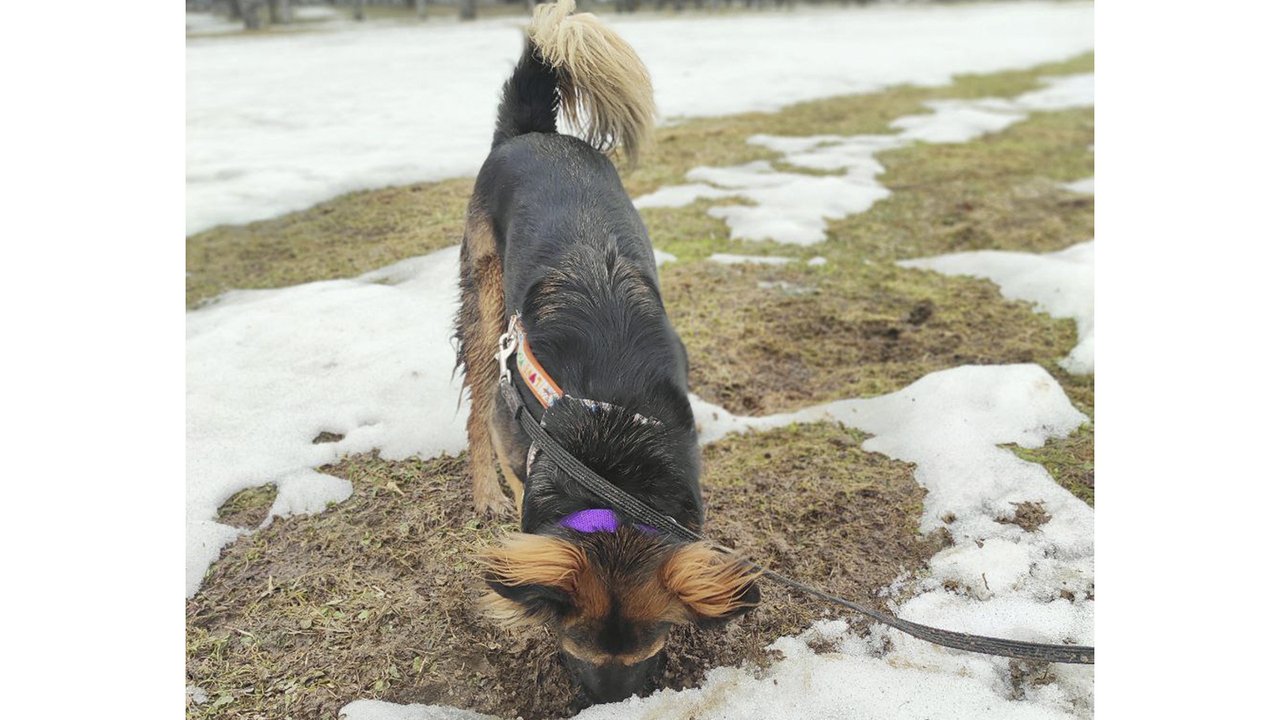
{"x": 480, "y": 323}
{"x": 504, "y": 444}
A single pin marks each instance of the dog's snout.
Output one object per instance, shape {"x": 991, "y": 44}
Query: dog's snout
{"x": 613, "y": 681}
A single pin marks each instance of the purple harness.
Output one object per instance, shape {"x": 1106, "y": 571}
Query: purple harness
{"x": 600, "y": 520}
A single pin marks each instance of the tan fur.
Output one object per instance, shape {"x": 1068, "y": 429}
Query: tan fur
{"x": 480, "y": 342}
{"x": 527, "y": 559}
{"x": 605, "y": 91}
{"x": 508, "y": 613}
{"x": 508, "y": 472}
{"x": 595, "y": 657}
{"x": 710, "y": 583}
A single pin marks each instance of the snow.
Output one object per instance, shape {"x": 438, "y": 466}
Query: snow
{"x": 661, "y": 257}
{"x": 268, "y": 370}
{"x": 817, "y": 261}
{"x": 1059, "y": 284}
{"x": 730, "y": 259}
{"x": 1084, "y": 186}
{"x": 792, "y": 207}
{"x": 379, "y": 710}
{"x": 276, "y": 124}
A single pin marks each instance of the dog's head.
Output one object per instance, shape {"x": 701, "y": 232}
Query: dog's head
{"x": 612, "y": 598}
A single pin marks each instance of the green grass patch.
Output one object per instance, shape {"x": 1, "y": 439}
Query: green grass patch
{"x": 343, "y": 237}
{"x": 1069, "y": 460}
{"x": 249, "y": 507}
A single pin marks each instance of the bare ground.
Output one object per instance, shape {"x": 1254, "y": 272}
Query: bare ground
{"x": 376, "y": 597}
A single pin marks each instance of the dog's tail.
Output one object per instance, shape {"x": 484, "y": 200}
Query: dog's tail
{"x": 576, "y": 64}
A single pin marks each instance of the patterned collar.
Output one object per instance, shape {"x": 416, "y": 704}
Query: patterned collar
{"x": 539, "y": 381}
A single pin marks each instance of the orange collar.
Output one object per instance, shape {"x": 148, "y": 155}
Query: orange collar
{"x": 515, "y": 341}
{"x": 535, "y": 376}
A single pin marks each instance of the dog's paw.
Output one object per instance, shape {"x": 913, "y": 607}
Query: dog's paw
{"x": 495, "y": 506}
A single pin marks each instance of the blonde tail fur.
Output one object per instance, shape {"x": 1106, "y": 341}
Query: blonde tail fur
{"x": 605, "y": 92}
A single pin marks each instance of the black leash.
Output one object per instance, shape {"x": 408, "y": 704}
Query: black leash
{"x": 623, "y": 502}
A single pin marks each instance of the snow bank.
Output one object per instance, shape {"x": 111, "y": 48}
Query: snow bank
{"x": 269, "y": 370}
{"x": 276, "y": 124}
{"x": 1060, "y": 284}
{"x": 791, "y": 207}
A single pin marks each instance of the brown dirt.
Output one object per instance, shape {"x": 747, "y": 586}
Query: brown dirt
{"x": 247, "y": 508}
{"x": 762, "y": 350}
{"x": 1027, "y": 515}
{"x": 375, "y": 597}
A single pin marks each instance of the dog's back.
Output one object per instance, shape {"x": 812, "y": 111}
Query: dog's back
{"x": 553, "y": 237}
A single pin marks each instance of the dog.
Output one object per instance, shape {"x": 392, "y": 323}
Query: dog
{"x": 554, "y": 253}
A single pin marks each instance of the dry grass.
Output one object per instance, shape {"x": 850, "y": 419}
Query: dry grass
{"x": 376, "y": 597}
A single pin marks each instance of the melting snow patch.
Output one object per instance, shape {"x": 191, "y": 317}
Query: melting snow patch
{"x": 815, "y": 262}
{"x": 379, "y": 710}
{"x": 1083, "y": 186}
{"x": 661, "y": 257}
{"x": 269, "y": 370}
{"x": 726, "y": 259}
{"x": 276, "y": 124}
{"x": 998, "y": 578}
{"x": 791, "y": 207}
{"x": 1059, "y": 284}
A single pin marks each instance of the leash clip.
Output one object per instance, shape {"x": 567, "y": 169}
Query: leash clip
{"x": 506, "y": 346}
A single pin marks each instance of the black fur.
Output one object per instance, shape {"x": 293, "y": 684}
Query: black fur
{"x": 578, "y": 264}
{"x": 530, "y": 98}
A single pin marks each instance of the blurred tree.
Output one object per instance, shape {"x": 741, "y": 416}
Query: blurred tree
{"x": 467, "y": 9}
{"x": 357, "y": 11}
{"x": 252, "y": 12}
{"x": 280, "y": 11}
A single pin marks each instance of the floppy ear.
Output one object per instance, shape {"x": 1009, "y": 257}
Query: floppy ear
{"x": 531, "y": 578}
{"x": 713, "y": 586}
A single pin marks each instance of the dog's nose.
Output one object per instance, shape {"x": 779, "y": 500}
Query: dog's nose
{"x": 611, "y": 682}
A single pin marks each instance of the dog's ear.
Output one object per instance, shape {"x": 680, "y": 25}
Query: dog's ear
{"x": 531, "y": 578}
{"x": 712, "y": 586}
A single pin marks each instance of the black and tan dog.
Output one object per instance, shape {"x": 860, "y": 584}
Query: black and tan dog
{"x": 555, "y": 253}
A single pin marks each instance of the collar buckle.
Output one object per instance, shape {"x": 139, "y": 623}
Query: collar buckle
{"x": 506, "y": 347}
